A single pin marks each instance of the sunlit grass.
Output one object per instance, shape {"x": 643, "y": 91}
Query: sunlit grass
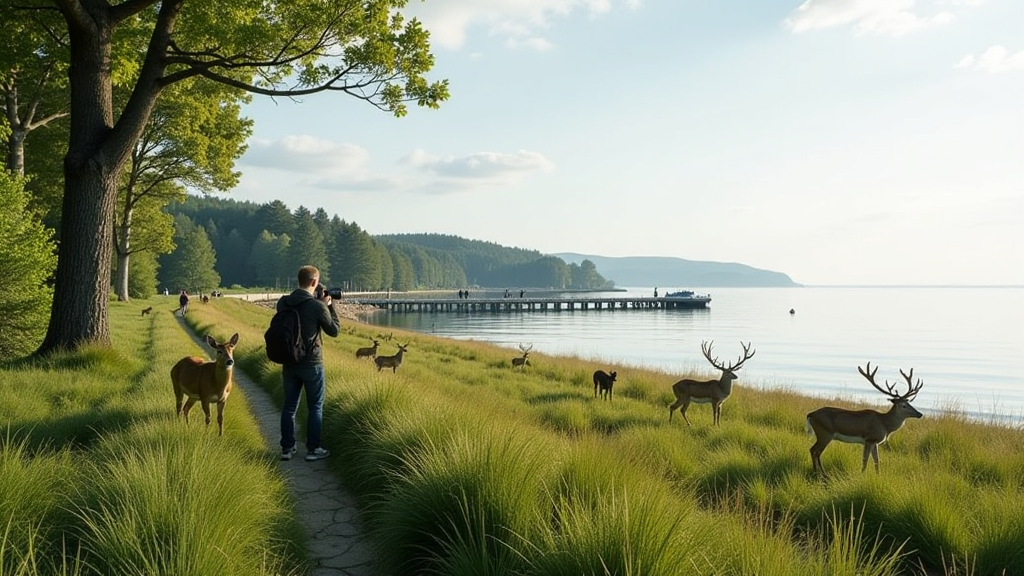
{"x": 463, "y": 465}
{"x": 98, "y": 476}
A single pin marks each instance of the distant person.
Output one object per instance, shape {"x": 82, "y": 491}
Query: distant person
{"x": 315, "y": 315}
{"x": 655, "y": 291}
{"x": 183, "y": 302}
{"x": 522, "y": 293}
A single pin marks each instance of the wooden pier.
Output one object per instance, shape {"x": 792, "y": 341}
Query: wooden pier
{"x": 535, "y": 304}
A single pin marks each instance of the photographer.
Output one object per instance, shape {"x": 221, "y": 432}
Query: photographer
{"x": 316, "y": 313}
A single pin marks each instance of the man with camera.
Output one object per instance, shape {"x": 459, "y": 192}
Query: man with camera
{"x": 316, "y": 314}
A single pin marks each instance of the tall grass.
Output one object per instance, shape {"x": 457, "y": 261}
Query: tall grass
{"x": 464, "y": 466}
{"x": 430, "y": 452}
{"x": 98, "y": 476}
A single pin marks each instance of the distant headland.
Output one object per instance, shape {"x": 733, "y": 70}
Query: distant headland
{"x": 669, "y": 271}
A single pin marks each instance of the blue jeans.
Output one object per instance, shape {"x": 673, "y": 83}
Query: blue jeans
{"x": 296, "y": 378}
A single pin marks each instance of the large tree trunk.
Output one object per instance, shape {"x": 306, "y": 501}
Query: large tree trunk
{"x": 79, "y": 312}
{"x": 81, "y": 295}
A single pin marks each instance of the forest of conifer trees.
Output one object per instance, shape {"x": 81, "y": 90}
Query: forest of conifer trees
{"x": 225, "y": 243}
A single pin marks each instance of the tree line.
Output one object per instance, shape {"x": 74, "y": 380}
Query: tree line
{"x": 261, "y": 243}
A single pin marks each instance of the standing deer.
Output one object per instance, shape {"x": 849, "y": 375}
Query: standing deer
{"x": 205, "y": 381}
{"x": 523, "y": 360}
{"x": 369, "y": 351}
{"x": 392, "y": 362}
{"x": 604, "y": 381}
{"x": 867, "y": 427}
{"x": 713, "y": 392}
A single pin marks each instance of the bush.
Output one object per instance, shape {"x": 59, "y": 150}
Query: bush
{"x": 27, "y": 261}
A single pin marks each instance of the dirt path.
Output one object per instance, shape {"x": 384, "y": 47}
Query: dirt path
{"x": 336, "y": 544}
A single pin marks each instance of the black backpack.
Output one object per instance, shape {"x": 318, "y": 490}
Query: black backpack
{"x": 284, "y": 337}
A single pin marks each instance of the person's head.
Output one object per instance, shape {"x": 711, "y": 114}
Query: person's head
{"x": 308, "y": 277}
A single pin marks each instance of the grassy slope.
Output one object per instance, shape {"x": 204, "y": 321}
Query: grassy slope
{"x": 466, "y": 466}
{"x": 97, "y": 476}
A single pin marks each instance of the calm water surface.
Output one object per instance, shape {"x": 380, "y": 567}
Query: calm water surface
{"x": 966, "y": 344}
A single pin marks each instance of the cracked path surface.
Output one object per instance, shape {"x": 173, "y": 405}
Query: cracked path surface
{"x": 336, "y": 543}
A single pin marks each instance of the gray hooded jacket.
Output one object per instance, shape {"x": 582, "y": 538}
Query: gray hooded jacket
{"x": 314, "y": 316}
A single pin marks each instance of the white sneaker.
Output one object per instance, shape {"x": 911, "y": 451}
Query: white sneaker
{"x": 318, "y": 454}
{"x": 287, "y": 454}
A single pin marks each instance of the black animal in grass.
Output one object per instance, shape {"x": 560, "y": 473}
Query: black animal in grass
{"x": 603, "y": 382}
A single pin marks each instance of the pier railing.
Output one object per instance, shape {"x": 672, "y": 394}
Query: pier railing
{"x": 534, "y": 304}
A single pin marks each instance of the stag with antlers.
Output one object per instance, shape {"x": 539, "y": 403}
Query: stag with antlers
{"x": 713, "y": 392}
{"x": 867, "y": 427}
{"x": 523, "y": 360}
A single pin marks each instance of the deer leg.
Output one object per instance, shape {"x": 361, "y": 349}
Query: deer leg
{"x": 867, "y": 452}
{"x": 206, "y": 411}
{"x": 187, "y": 407}
{"x": 874, "y": 456}
{"x": 716, "y": 412}
{"x": 220, "y": 418}
{"x": 816, "y": 451}
{"x": 672, "y": 408}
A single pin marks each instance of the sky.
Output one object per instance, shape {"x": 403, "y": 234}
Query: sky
{"x": 842, "y": 142}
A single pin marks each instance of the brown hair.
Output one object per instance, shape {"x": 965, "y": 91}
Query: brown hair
{"x": 307, "y": 274}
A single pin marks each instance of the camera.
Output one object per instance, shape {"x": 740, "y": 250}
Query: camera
{"x": 334, "y": 292}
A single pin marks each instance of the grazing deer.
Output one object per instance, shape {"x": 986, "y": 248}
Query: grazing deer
{"x": 604, "y": 381}
{"x": 205, "y": 299}
{"x": 523, "y": 360}
{"x": 385, "y": 337}
{"x": 147, "y": 310}
{"x": 392, "y": 362}
{"x": 713, "y": 392}
{"x": 867, "y": 427}
{"x": 205, "y": 381}
{"x": 369, "y": 351}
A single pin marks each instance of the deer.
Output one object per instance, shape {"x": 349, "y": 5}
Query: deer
{"x": 369, "y": 351}
{"x": 524, "y": 360}
{"x": 205, "y": 381}
{"x": 867, "y": 427}
{"x": 392, "y": 362}
{"x": 714, "y": 392}
{"x": 604, "y": 381}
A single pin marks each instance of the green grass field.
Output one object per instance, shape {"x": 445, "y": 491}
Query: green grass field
{"x": 463, "y": 466}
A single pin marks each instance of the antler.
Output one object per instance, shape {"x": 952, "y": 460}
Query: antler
{"x": 912, "y": 389}
{"x": 747, "y": 355}
{"x": 526, "y": 348}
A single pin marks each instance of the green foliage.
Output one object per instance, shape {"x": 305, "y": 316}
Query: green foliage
{"x": 142, "y": 278}
{"x": 27, "y": 261}
{"x": 307, "y": 246}
{"x": 191, "y": 266}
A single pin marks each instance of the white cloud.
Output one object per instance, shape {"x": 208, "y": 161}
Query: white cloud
{"x": 306, "y": 154}
{"x": 480, "y": 168}
{"x": 868, "y": 17}
{"x": 520, "y": 23}
{"x": 994, "y": 60}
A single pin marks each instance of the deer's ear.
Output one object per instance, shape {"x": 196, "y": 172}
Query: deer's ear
{"x": 211, "y": 341}
{"x": 234, "y": 339}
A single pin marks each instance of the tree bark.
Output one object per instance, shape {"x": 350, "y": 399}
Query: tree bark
{"x": 80, "y": 297}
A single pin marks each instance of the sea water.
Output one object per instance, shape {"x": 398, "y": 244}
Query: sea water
{"x": 965, "y": 344}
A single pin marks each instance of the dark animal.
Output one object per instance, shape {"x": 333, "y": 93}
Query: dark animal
{"x": 369, "y": 351}
{"x": 392, "y": 362}
{"x": 603, "y": 381}
{"x": 866, "y": 427}
{"x": 713, "y": 392}
{"x": 524, "y": 360}
{"x": 147, "y": 310}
